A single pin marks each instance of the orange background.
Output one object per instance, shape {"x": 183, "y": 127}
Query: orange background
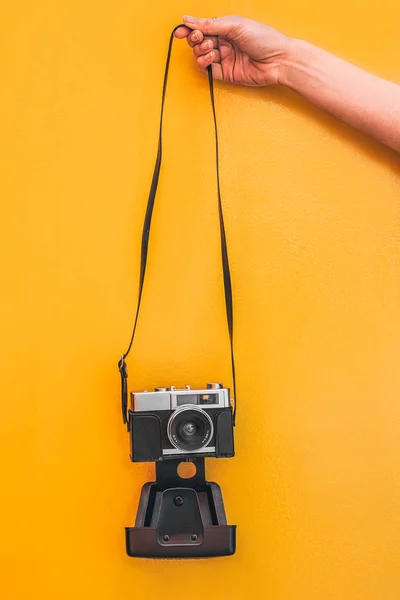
{"x": 312, "y": 216}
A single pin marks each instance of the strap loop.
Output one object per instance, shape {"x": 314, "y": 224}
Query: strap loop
{"x": 146, "y": 234}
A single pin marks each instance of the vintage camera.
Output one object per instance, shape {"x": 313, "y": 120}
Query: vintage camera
{"x": 181, "y": 423}
{"x": 180, "y": 517}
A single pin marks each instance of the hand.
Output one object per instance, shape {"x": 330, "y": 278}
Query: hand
{"x": 240, "y": 50}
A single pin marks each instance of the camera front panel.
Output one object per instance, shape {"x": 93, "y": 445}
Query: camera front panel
{"x": 186, "y": 432}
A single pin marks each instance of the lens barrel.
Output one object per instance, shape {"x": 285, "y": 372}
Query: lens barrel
{"x": 190, "y": 428}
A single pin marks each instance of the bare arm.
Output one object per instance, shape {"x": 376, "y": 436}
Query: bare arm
{"x": 362, "y": 100}
{"x": 250, "y": 53}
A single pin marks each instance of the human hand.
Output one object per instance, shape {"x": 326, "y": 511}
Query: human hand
{"x": 239, "y": 50}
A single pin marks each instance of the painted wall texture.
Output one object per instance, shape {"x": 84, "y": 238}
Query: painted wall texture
{"x": 312, "y": 216}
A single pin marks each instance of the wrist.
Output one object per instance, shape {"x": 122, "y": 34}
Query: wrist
{"x": 297, "y": 56}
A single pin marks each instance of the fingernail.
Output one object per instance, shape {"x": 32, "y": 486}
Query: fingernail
{"x": 195, "y": 36}
{"x": 189, "y": 19}
{"x": 209, "y": 44}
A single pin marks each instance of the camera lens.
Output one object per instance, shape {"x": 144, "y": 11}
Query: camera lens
{"x": 190, "y": 429}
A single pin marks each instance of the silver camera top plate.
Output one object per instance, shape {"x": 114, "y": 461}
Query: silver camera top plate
{"x": 215, "y": 396}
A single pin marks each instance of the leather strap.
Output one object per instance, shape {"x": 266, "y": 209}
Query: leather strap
{"x": 145, "y": 242}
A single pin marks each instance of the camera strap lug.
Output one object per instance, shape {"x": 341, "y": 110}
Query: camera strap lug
{"x": 123, "y": 371}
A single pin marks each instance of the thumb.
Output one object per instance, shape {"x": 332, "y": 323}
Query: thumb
{"x": 221, "y": 26}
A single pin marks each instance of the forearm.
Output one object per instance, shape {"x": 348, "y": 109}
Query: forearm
{"x": 362, "y": 100}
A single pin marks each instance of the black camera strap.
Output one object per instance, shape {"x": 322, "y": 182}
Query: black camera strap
{"x": 145, "y": 242}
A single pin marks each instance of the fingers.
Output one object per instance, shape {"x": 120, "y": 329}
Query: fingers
{"x": 182, "y": 32}
{"x": 203, "y": 48}
{"x": 221, "y": 26}
{"x": 209, "y": 58}
{"x": 195, "y": 37}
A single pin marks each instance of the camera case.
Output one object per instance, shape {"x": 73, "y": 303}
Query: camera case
{"x": 180, "y": 518}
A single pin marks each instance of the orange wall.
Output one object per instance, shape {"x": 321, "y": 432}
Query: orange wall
{"x": 312, "y": 215}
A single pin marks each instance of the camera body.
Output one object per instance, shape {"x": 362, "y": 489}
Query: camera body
{"x": 172, "y": 423}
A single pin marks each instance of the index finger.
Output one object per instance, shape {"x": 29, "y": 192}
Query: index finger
{"x": 182, "y": 32}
